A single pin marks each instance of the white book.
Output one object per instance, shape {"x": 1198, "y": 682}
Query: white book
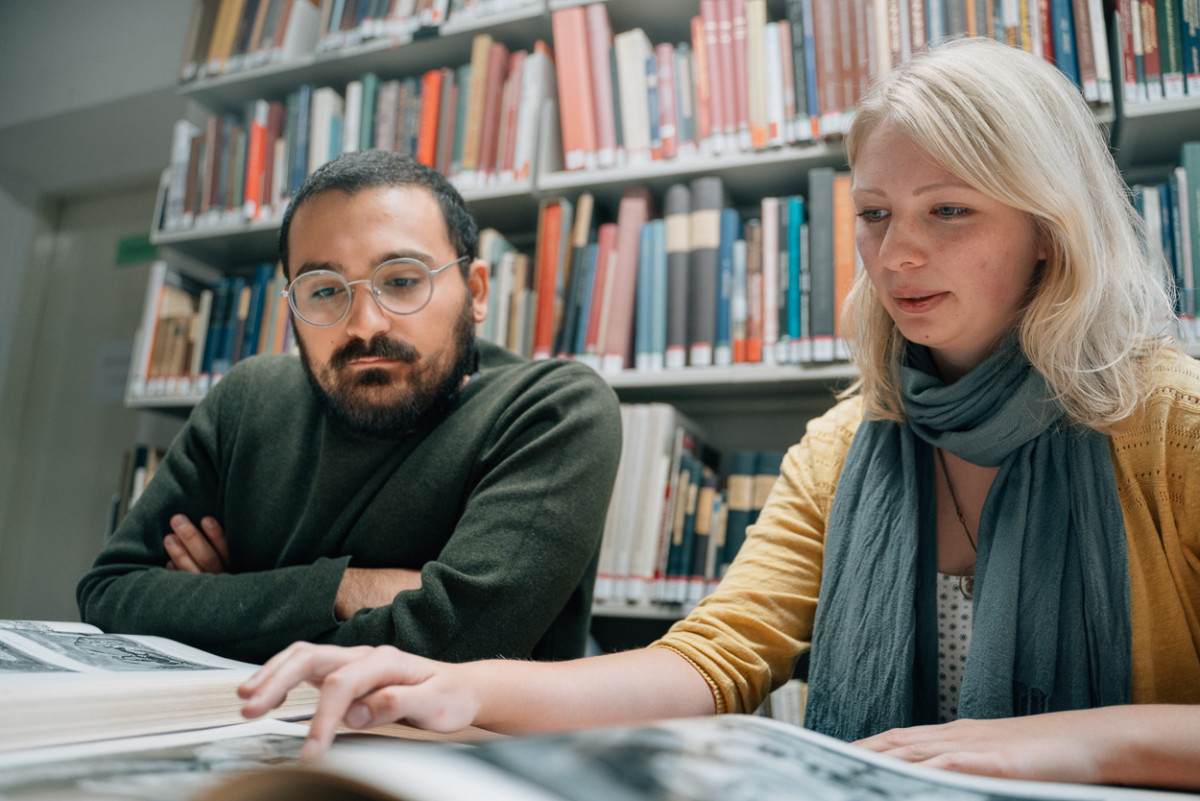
{"x": 632, "y": 51}
{"x": 773, "y": 64}
{"x": 353, "y": 116}
{"x": 70, "y": 682}
{"x": 328, "y": 108}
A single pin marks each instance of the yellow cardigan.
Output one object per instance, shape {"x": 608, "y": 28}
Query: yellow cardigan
{"x": 745, "y": 637}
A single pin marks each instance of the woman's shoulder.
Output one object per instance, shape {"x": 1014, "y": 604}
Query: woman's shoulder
{"x": 1173, "y": 399}
{"x": 827, "y": 440}
{"x": 1163, "y": 435}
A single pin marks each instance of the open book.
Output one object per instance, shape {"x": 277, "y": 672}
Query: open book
{"x": 726, "y": 758}
{"x": 70, "y": 682}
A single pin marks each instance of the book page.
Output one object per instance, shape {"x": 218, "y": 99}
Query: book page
{"x": 164, "y": 767}
{"x": 32, "y": 649}
{"x": 720, "y": 758}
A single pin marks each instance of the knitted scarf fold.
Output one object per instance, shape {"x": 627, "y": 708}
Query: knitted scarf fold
{"x": 1051, "y": 621}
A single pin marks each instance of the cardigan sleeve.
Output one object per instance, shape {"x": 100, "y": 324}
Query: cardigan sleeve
{"x": 745, "y": 637}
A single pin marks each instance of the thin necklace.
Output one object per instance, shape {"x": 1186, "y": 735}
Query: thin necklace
{"x": 966, "y": 583}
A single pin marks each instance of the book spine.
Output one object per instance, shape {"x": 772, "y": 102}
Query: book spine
{"x": 731, "y": 226}
{"x": 576, "y": 103}
{"x": 677, "y": 209}
{"x": 704, "y": 231}
{"x": 821, "y": 305}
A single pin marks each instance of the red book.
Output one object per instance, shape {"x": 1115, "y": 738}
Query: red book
{"x": 493, "y": 98}
{"x": 431, "y": 97}
{"x": 617, "y": 346}
{"x": 843, "y": 256}
{"x": 754, "y": 292}
{"x": 276, "y": 117}
{"x": 606, "y": 244}
{"x": 550, "y": 229}
{"x": 1129, "y": 75}
{"x": 256, "y": 161}
{"x": 668, "y": 119}
{"x": 829, "y": 73}
{"x": 700, "y": 79}
{"x": 576, "y": 106}
{"x": 1151, "y": 58}
{"x": 600, "y": 43}
{"x": 716, "y": 87}
{"x": 1046, "y": 27}
{"x": 740, "y": 71}
{"x": 510, "y": 116}
{"x": 729, "y": 92}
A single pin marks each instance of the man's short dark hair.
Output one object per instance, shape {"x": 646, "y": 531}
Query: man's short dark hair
{"x": 371, "y": 169}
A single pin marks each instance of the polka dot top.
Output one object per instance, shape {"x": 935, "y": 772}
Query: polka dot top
{"x": 954, "y": 639}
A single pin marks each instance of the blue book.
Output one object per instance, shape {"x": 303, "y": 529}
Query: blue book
{"x": 585, "y": 297}
{"x": 216, "y": 328}
{"x": 1063, "y": 18}
{"x": 795, "y": 226}
{"x": 810, "y": 61}
{"x": 263, "y": 274}
{"x": 1191, "y": 53}
{"x": 299, "y": 154}
{"x": 652, "y": 104}
{"x": 227, "y": 354}
{"x": 731, "y": 231}
{"x": 658, "y": 294}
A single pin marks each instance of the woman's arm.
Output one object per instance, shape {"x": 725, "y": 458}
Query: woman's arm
{"x": 366, "y": 687}
{"x": 1145, "y": 745}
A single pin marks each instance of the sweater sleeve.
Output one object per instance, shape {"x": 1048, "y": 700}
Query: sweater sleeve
{"x": 745, "y": 637}
{"x": 525, "y": 543}
{"x": 245, "y": 615}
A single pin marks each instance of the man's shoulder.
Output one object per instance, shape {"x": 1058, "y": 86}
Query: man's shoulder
{"x": 263, "y": 378}
{"x": 504, "y": 368}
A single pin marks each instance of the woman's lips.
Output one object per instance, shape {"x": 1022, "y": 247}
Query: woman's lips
{"x": 919, "y": 303}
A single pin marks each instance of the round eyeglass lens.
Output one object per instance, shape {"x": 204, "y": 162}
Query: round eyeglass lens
{"x": 320, "y": 297}
{"x": 402, "y": 286}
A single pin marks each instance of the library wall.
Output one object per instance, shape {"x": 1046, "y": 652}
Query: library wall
{"x": 74, "y": 177}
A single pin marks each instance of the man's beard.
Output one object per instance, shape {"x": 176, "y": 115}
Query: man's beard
{"x": 345, "y": 397}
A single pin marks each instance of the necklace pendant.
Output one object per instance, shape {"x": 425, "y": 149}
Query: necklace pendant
{"x": 966, "y": 585}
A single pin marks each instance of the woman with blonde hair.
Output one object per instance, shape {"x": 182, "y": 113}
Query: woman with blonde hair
{"x": 993, "y": 541}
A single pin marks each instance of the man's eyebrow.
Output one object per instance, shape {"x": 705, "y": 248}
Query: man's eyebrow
{"x": 407, "y": 253}
{"x": 310, "y": 266}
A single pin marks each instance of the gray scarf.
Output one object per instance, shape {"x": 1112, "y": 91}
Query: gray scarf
{"x": 1051, "y": 626}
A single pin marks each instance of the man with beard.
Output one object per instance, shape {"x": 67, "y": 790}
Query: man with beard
{"x": 397, "y": 484}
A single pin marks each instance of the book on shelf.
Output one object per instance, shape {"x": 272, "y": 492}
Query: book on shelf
{"x": 70, "y": 682}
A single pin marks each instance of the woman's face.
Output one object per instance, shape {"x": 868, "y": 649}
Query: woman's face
{"x": 950, "y": 265}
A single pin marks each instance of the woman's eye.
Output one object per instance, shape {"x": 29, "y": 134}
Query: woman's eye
{"x": 872, "y": 215}
{"x": 950, "y": 212}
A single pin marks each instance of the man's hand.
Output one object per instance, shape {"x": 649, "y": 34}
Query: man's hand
{"x": 196, "y": 550}
{"x": 1142, "y": 744}
{"x": 369, "y": 588}
{"x": 364, "y": 687}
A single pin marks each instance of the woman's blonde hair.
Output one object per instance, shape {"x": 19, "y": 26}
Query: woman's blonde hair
{"x": 1012, "y": 126}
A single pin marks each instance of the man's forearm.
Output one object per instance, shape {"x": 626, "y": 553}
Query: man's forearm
{"x": 370, "y": 588}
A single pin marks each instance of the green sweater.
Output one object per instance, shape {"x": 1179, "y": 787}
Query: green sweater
{"x": 501, "y": 507}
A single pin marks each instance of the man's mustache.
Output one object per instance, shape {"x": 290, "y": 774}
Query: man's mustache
{"x": 380, "y": 347}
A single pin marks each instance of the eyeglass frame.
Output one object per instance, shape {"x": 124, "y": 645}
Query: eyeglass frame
{"x": 286, "y": 292}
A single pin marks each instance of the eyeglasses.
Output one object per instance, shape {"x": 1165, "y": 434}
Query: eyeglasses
{"x": 401, "y": 286}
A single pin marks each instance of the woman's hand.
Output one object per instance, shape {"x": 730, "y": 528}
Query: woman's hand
{"x": 1146, "y": 745}
{"x": 362, "y": 687}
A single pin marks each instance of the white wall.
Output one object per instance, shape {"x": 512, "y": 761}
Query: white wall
{"x": 87, "y": 102}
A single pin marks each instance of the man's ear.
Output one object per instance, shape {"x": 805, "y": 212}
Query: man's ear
{"x": 479, "y": 286}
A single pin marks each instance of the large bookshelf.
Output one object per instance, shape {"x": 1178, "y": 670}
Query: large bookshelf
{"x": 741, "y": 406}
